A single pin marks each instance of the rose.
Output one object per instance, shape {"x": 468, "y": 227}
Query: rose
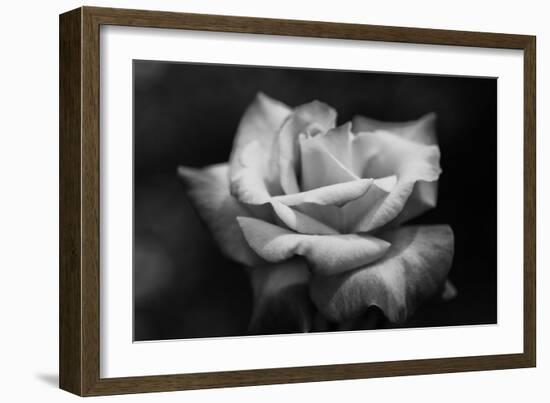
{"x": 315, "y": 212}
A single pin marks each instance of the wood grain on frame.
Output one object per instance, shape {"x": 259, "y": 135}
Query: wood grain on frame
{"x": 70, "y": 314}
{"x": 79, "y": 200}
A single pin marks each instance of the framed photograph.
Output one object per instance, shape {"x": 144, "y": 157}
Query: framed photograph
{"x": 249, "y": 201}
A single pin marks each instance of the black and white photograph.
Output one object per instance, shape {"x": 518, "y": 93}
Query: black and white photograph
{"x": 241, "y": 201}
{"x": 274, "y": 200}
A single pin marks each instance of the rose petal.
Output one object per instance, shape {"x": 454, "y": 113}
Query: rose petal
{"x": 300, "y": 222}
{"x": 357, "y": 204}
{"x": 421, "y": 130}
{"x": 286, "y": 155}
{"x": 281, "y": 214}
{"x": 449, "y": 291}
{"x": 386, "y": 154}
{"x": 378, "y": 155}
{"x": 404, "y": 202}
{"x": 422, "y": 198}
{"x": 327, "y": 214}
{"x": 248, "y": 184}
{"x": 208, "y": 189}
{"x": 256, "y": 134}
{"x": 372, "y": 318}
{"x": 332, "y": 195}
{"x": 359, "y": 214}
{"x": 320, "y": 167}
{"x": 281, "y": 298}
{"x": 326, "y": 254}
{"x": 413, "y": 270}
{"x": 388, "y": 207}
{"x": 339, "y": 141}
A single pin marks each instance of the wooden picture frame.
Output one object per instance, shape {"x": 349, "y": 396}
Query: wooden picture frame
{"x": 79, "y": 201}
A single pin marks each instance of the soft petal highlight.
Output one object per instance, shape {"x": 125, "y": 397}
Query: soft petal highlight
{"x": 421, "y": 130}
{"x": 326, "y": 254}
{"x": 249, "y": 169}
{"x": 414, "y": 270}
{"x": 208, "y": 190}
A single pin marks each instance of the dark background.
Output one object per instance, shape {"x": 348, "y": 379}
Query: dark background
{"x": 187, "y": 114}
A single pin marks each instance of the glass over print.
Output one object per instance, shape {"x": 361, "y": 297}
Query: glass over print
{"x": 273, "y": 200}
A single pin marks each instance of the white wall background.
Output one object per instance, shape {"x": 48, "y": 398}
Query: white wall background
{"x": 29, "y": 199}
